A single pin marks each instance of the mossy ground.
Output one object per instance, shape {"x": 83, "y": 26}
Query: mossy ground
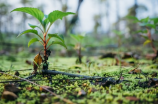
{"x": 69, "y": 89}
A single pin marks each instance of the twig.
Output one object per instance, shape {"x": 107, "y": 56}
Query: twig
{"x": 65, "y": 100}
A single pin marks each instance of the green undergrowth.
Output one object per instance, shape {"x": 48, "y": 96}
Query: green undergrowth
{"x": 69, "y": 89}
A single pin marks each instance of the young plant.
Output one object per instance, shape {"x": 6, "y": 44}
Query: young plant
{"x": 78, "y": 47}
{"x": 46, "y": 22}
{"x": 148, "y": 24}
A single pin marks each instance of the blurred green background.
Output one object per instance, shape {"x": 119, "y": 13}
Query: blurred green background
{"x": 103, "y": 24}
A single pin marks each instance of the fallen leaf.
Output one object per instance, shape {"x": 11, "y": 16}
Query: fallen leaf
{"x": 81, "y": 92}
{"x": 28, "y": 62}
{"x": 92, "y": 90}
{"x": 11, "y": 88}
{"x": 150, "y": 56}
{"x": 131, "y": 98}
{"x": 9, "y": 95}
{"x": 47, "y": 87}
{"x": 121, "y": 62}
{"x": 29, "y": 88}
{"x": 37, "y": 62}
{"x": 135, "y": 71}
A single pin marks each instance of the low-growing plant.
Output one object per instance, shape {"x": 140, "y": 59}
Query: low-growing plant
{"x": 46, "y": 22}
{"x": 78, "y": 46}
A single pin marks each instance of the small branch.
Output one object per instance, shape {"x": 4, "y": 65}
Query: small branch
{"x": 40, "y": 37}
{"x": 41, "y": 42}
{"x": 48, "y": 28}
{"x": 49, "y": 46}
{"x": 41, "y": 29}
{"x": 47, "y": 41}
{"x": 65, "y": 100}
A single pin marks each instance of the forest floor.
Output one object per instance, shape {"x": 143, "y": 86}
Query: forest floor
{"x": 133, "y": 81}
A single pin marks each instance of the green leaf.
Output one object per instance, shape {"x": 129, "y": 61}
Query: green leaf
{"x": 28, "y": 31}
{"x": 145, "y": 20}
{"x": 141, "y": 31}
{"x": 151, "y": 25}
{"x": 32, "y": 41}
{"x": 45, "y": 23}
{"x": 145, "y": 37}
{"x": 33, "y": 26}
{"x": 60, "y": 43}
{"x": 133, "y": 18}
{"x": 56, "y": 36}
{"x": 146, "y": 42}
{"x": 117, "y": 32}
{"x": 32, "y": 11}
{"x": 77, "y": 37}
{"x": 55, "y": 15}
{"x": 155, "y": 20}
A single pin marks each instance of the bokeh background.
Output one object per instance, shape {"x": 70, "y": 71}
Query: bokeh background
{"x": 102, "y": 22}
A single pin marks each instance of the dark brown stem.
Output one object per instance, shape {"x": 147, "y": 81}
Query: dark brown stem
{"x": 79, "y": 54}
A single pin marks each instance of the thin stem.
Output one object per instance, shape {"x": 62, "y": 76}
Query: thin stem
{"x": 49, "y": 46}
{"x": 48, "y": 28}
{"x": 41, "y": 30}
{"x": 40, "y": 37}
{"x": 47, "y": 41}
{"x": 41, "y": 43}
{"x": 152, "y": 45}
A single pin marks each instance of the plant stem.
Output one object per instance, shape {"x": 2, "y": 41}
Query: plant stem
{"x": 45, "y": 49}
{"x": 152, "y": 45}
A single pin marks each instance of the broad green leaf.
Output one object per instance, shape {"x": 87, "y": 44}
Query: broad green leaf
{"x": 32, "y": 41}
{"x": 75, "y": 37}
{"x": 60, "y": 43}
{"x": 145, "y": 37}
{"x": 145, "y": 20}
{"x": 151, "y": 25}
{"x": 32, "y": 11}
{"x": 56, "y": 36}
{"x": 141, "y": 31}
{"x": 55, "y": 15}
{"x": 155, "y": 20}
{"x": 146, "y": 42}
{"x": 28, "y": 31}
{"x": 33, "y": 26}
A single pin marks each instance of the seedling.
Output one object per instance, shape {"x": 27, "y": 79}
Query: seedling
{"x": 46, "y": 22}
{"x": 148, "y": 24}
{"x": 78, "y": 47}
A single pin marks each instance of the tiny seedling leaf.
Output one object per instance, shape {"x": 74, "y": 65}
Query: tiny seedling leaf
{"x": 77, "y": 37}
{"x": 60, "y": 43}
{"x": 38, "y": 14}
{"x": 33, "y": 26}
{"x": 28, "y": 31}
{"x": 146, "y": 42}
{"x": 55, "y": 15}
{"x": 32, "y": 41}
{"x": 45, "y": 22}
{"x": 56, "y": 36}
